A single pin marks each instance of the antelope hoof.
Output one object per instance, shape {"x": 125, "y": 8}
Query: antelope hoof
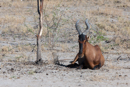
{"x": 72, "y": 63}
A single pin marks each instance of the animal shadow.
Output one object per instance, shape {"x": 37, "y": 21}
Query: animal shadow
{"x": 75, "y": 65}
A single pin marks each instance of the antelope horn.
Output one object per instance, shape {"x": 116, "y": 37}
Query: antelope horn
{"x": 78, "y": 27}
{"x": 87, "y": 28}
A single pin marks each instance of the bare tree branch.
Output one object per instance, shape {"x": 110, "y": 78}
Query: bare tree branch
{"x": 40, "y": 12}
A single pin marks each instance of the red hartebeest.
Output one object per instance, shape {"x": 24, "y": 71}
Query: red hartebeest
{"x": 89, "y": 56}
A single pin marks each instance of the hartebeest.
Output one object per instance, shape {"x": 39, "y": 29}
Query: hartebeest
{"x": 89, "y": 56}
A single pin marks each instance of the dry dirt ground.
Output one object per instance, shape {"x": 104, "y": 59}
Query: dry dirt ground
{"x": 110, "y": 29}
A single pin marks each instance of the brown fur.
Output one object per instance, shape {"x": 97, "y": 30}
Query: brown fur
{"x": 90, "y": 57}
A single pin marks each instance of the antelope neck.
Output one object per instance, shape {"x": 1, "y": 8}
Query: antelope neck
{"x": 83, "y": 42}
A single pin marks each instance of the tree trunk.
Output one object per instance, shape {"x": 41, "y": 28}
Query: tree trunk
{"x": 40, "y": 12}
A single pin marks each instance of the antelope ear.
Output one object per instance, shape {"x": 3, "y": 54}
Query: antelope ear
{"x": 88, "y": 37}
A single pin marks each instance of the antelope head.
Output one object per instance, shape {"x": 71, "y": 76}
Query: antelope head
{"x": 82, "y": 37}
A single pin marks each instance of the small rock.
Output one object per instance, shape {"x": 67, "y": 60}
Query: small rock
{"x": 39, "y": 70}
{"x": 4, "y": 72}
{"x": 12, "y": 69}
{"x": 125, "y": 75}
{"x": 79, "y": 85}
{"x": 120, "y": 75}
{"x": 107, "y": 41}
{"x": 112, "y": 48}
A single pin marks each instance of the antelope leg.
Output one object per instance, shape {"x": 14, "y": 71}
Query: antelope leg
{"x": 76, "y": 58}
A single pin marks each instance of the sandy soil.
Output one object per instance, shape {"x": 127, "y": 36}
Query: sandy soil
{"x": 115, "y": 72}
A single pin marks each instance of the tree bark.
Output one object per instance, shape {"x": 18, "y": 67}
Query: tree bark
{"x": 40, "y": 12}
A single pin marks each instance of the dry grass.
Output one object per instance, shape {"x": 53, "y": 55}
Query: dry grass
{"x": 20, "y": 30}
{"x": 6, "y": 48}
{"x": 64, "y": 47}
{"x": 21, "y": 57}
{"x": 6, "y": 19}
{"x": 108, "y": 15}
{"x": 98, "y": 78}
{"x": 118, "y": 40}
{"x": 108, "y": 11}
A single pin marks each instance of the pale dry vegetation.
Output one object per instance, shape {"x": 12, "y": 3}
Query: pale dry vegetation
{"x": 109, "y": 20}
